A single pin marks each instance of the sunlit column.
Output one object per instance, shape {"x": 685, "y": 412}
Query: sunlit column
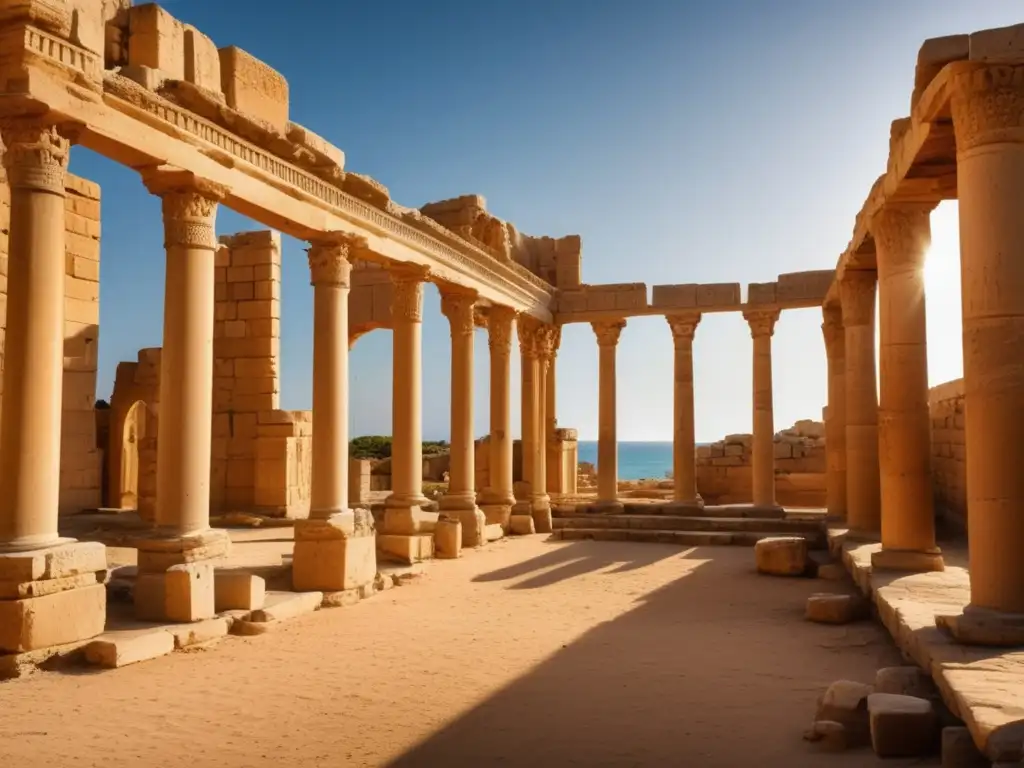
{"x": 762, "y": 327}
{"x": 553, "y": 451}
{"x": 835, "y": 415}
{"x": 684, "y": 453}
{"x": 607, "y": 332}
{"x": 545, "y": 339}
{"x": 498, "y": 499}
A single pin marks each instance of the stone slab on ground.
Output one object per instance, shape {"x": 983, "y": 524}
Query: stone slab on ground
{"x": 902, "y": 726}
{"x": 281, "y": 606}
{"x": 123, "y": 647}
{"x": 199, "y": 632}
{"x": 15, "y": 665}
{"x": 984, "y": 687}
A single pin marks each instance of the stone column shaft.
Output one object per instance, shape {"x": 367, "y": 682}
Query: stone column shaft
{"x": 863, "y": 494}
{"x": 527, "y": 400}
{"x": 552, "y": 452}
{"x": 545, "y": 341}
{"x": 458, "y": 308}
{"x": 902, "y": 238}
{"x": 835, "y": 415}
{"x": 684, "y": 452}
{"x": 499, "y": 497}
{"x": 762, "y": 327}
{"x": 36, "y": 160}
{"x": 607, "y": 332}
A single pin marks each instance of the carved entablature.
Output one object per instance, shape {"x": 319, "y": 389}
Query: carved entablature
{"x": 902, "y": 235}
{"x": 458, "y": 307}
{"x": 987, "y": 103}
{"x": 762, "y": 322}
{"x": 683, "y": 328}
{"x": 608, "y": 332}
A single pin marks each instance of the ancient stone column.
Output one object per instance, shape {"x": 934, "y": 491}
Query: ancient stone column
{"x": 541, "y": 502}
{"x": 863, "y": 495}
{"x": 902, "y": 237}
{"x": 553, "y": 449}
{"x": 988, "y": 117}
{"x": 684, "y": 452}
{"x": 406, "y": 525}
{"x": 522, "y": 513}
{"x": 335, "y": 549}
{"x": 835, "y": 414}
{"x": 607, "y": 332}
{"x": 36, "y": 158}
{"x": 762, "y": 327}
{"x": 498, "y": 499}
{"x": 460, "y": 499}
{"x": 175, "y": 580}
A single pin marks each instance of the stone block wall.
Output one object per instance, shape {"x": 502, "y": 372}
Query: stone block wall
{"x": 724, "y": 474}
{"x": 283, "y": 465}
{"x": 81, "y": 459}
{"x": 130, "y": 457}
{"x": 949, "y": 450}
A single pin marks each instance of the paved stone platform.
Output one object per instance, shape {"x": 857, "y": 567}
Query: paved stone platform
{"x": 984, "y": 687}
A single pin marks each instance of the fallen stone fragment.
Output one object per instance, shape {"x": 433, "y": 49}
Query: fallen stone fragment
{"x": 832, "y": 572}
{"x": 827, "y": 735}
{"x": 836, "y": 609}
{"x": 959, "y": 750}
{"x": 199, "y": 632}
{"x": 845, "y": 702}
{"x": 902, "y": 726}
{"x": 905, "y": 681}
{"x": 781, "y": 556}
{"x": 119, "y": 649}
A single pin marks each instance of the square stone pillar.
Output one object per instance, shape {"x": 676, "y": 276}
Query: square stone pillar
{"x": 607, "y": 332}
{"x": 49, "y": 590}
{"x": 762, "y": 460}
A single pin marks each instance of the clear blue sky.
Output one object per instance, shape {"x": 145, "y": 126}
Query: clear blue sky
{"x": 724, "y": 141}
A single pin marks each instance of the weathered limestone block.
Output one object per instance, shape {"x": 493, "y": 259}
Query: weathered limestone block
{"x": 50, "y": 15}
{"x": 156, "y": 40}
{"x": 845, "y": 702}
{"x": 718, "y": 294}
{"x": 828, "y": 735}
{"x": 335, "y": 555}
{"x": 21, "y": 590}
{"x": 57, "y": 619}
{"x": 367, "y": 189}
{"x": 999, "y": 44}
{"x": 326, "y": 153}
{"x": 761, "y": 293}
{"x": 959, "y": 749}
{"x": 199, "y": 632}
{"x": 183, "y": 592}
{"x": 407, "y": 549}
{"x": 831, "y": 572}
{"x": 238, "y": 590}
{"x": 781, "y": 556}
{"x": 202, "y": 61}
{"x": 123, "y": 648}
{"x": 902, "y": 726}
{"x": 282, "y": 606}
{"x": 448, "y": 538}
{"x": 521, "y": 525}
{"x": 836, "y": 609}
{"x": 905, "y": 681}
{"x": 254, "y": 88}
{"x": 933, "y": 55}
{"x": 473, "y": 522}
{"x": 674, "y": 296}
{"x": 804, "y": 286}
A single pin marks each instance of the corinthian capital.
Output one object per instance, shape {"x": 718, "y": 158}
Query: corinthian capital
{"x": 189, "y": 207}
{"x": 902, "y": 235}
{"x": 857, "y": 294}
{"x": 499, "y": 329}
{"x": 683, "y": 327}
{"x": 331, "y": 256}
{"x": 608, "y": 331}
{"x": 459, "y": 308}
{"x": 761, "y": 321}
{"x": 35, "y": 155}
{"x": 987, "y": 102}
{"x": 549, "y": 337}
{"x": 833, "y": 330}
{"x": 407, "y": 292}
{"x": 527, "y": 328}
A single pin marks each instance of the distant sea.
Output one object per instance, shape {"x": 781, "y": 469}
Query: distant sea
{"x": 637, "y": 461}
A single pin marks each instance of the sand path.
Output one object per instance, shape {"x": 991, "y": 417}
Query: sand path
{"x": 526, "y": 654}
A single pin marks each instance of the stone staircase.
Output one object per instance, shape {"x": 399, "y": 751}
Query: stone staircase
{"x": 734, "y": 525}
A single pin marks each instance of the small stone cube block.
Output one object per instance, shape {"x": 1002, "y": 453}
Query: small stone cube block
{"x": 238, "y": 590}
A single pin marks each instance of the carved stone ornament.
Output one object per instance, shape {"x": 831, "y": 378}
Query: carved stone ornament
{"x": 458, "y": 308}
{"x": 330, "y": 259}
{"x": 527, "y": 328}
{"x": 35, "y": 155}
{"x": 548, "y": 338}
{"x": 987, "y": 102}
{"x": 683, "y": 328}
{"x": 499, "y": 330}
{"x": 834, "y": 332}
{"x": 857, "y": 293}
{"x": 902, "y": 235}
{"x": 761, "y": 321}
{"x": 407, "y": 294}
{"x": 189, "y": 207}
{"x": 608, "y": 331}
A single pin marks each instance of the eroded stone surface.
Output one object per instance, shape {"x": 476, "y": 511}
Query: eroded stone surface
{"x": 846, "y": 702}
{"x": 902, "y": 726}
{"x": 836, "y": 609}
{"x": 781, "y": 556}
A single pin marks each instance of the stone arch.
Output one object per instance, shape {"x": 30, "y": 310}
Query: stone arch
{"x": 133, "y": 432}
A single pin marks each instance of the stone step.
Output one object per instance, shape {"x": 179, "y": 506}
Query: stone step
{"x": 560, "y": 509}
{"x": 670, "y": 523}
{"x": 682, "y": 538}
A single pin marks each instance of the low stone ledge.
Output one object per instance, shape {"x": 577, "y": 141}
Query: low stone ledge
{"x": 984, "y": 687}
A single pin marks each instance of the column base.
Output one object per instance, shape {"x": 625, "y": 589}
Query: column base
{"x": 336, "y": 554}
{"x": 406, "y": 517}
{"x": 448, "y": 537}
{"x": 606, "y": 507}
{"x": 521, "y": 524}
{"x": 497, "y": 514}
{"x": 52, "y": 596}
{"x": 540, "y": 510}
{"x": 175, "y": 580}
{"x": 406, "y": 549}
{"x": 985, "y": 627}
{"x": 911, "y": 561}
{"x": 866, "y": 537}
{"x": 464, "y": 509}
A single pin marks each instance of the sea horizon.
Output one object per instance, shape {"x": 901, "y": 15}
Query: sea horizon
{"x": 638, "y": 459}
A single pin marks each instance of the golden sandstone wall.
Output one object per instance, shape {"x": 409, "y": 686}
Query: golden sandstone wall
{"x": 949, "y": 468}
{"x": 80, "y": 461}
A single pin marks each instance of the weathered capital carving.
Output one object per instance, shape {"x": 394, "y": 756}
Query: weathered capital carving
{"x": 527, "y": 328}
{"x": 857, "y": 294}
{"x": 683, "y": 327}
{"x": 189, "y": 207}
{"x": 902, "y": 235}
{"x": 499, "y": 330}
{"x": 331, "y": 256}
{"x": 987, "y": 102}
{"x": 833, "y": 330}
{"x": 761, "y": 321}
{"x": 608, "y": 331}
{"x": 458, "y": 308}
{"x": 407, "y": 293}
{"x": 35, "y": 155}
{"x": 549, "y": 337}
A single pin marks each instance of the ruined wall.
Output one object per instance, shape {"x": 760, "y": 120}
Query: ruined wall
{"x": 724, "y": 468}
{"x": 949, "y": 451}
{"x": 80, "y": 460}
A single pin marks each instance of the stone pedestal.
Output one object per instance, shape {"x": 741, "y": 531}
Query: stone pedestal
{"x": 607, "y": 333}
{"x": 863, "y": 494}
{"x": 835, "y": 413}
{"x": 50, "y": 593}
{"x": 684, "y": 453}
{"x": 335, "y": 554}
{"x": 762, "y": 327}
{"x": 497, "y": 500}
{"x": 175, "y": 579}
{"x": 902, "y": 238}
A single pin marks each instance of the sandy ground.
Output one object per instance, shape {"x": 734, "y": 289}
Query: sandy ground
{"x": 526, "y": 654}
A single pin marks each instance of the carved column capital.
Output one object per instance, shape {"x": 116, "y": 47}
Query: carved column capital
{"x": 527, "y": 328}
{"x": 331, "y": 256}
{"x": 407, "y": 292}
{"x": 857, "y": 293}
{"x": 499, "y": 329}
{"x": 987, "y": 102}
{"x": 189, "y": 207}
{"x": 761, "y": 321}
{"x": 36, "y": 154}
{"x": 549, "y": 337}
{"x": 608, "y": 331}
{"x": 902, "y": 235}
{"x": 459, "y": 307}
{"x": 683, "y": 327}
{"x": 833, "y": 330}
